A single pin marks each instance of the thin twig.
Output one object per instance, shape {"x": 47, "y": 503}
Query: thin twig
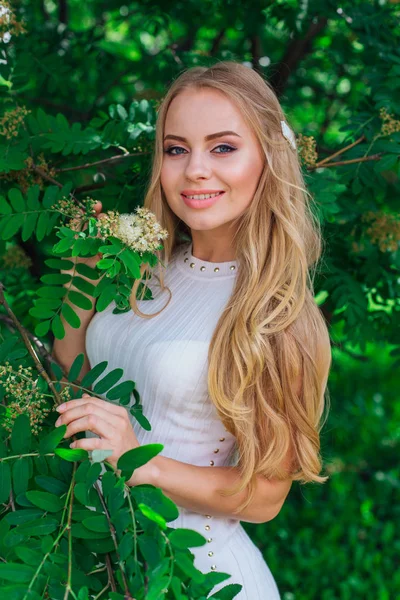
{"x": 112, "y": 159}
{"x": 328, "y": 158}
{"x": 39, "y": 367}
{"x": 347, "y": 162}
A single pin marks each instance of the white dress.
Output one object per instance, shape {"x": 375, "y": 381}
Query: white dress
{"x": 167, "y": 358}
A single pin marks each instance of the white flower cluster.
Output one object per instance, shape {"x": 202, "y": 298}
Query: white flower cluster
{"x": 140, "y": 231}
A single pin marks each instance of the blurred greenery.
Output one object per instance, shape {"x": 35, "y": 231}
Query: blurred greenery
{"x": 91, "y": 74}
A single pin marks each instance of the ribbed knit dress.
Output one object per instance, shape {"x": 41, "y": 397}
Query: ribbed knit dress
{"x": 167, "y": 358}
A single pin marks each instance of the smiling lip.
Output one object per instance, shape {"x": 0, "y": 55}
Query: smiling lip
{"x": 198, "y": 192}
{"x": 201, "y": 203}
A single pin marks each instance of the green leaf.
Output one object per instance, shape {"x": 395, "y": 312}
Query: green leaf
{"x": 45, "y": 500}
{"x": 43, "y": 526}
{"x": 5, "y": 481}
{"x": 153, "y": 516}
{"x": 51, "y": 484}
{"x": 126, "y": 387}
{"x": 25, "y": 515}
{"x": 76, "y": 367}
{"x": 100, "y": 455}
{"x": 16, "y": 200}
{"x": 16, "y": 572}
{"x": 71, "y": 454}
{"x": 93, "y": 374}
{"x": 86, "y": 271}
{"x": 137, "y": 457}
{"x": 83, "y": 285}
{"x": 63, "y": 245}
{"x": 78, "y": 530}
{"x": 41, "y": 313}
{"x": 42, "y": 329}
{"x": 156, "y": 499}
{"x": 14, "y": 223}
{"x": 80, "y": 300}
{"x": 99, "y": 524}
{"x": 131, "y": 262}
{"x": 140, "y": 418}
{"x": 228, "y": 592}
{"x": 20, "y": 475}
{"x": 52, "y": 439}
{"x": 5, "y": 208}
{"x": 57, "y": 327}
{"x": 186, "y": 538}
{"x": 106, "y": 297}
{"x": 70, "y": 315}
{"x": 29, "y": 226}
{"x": 108, "y": 381}
{"x": 41, "y": 226}
{"x": 125, "y": 547}
{"x": 105, "y": 263}
{"x": 33, "y": 198}
{"x": 59, "y": 263}
{"x": 21, "y": 435}
{"x": 56, "y": 278}
{"x": 28, "y": 556}
{"x": 151, "y": 551}
{"x": 51, "y": 292}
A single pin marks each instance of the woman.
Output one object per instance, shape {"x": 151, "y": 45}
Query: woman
{"x": 231, "y": 357}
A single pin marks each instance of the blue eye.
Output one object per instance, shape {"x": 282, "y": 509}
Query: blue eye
{"x": 169, "y": 150}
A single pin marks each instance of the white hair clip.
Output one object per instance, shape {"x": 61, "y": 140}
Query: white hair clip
{"x": 288, "y": 134}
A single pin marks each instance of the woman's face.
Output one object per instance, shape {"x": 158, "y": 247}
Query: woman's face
{"x": 231, "y": 163}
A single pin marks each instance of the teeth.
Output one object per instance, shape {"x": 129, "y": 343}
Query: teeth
{"x": 203, "y": 196}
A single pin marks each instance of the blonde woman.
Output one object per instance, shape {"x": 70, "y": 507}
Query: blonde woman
{"x": 231, "y": 357}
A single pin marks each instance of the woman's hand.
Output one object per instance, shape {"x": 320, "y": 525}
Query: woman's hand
{"x": 109, "y": 421}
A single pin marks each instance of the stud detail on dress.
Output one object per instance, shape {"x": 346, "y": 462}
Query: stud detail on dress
{"x": 213, "y": 567}
{"x": 216, "y": 451}
{"x": 208, "y": 516}
{"x": 211, "y": 463}
{"x": 207, "y": 528}
{"x": 216, "y": 269}
{"x": 192, "y": 265}
{"x": 186, "y": 259}
{"x": 211, "y": 553}
{"x": 221, "y": 439}
{"x": 209, "y": 540}
{"x": 232, "y": 267}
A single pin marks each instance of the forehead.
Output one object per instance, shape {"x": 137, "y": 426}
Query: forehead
{"x": 201, "y": 112}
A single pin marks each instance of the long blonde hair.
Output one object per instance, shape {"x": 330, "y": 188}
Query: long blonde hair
{"x": 270, "y": 354}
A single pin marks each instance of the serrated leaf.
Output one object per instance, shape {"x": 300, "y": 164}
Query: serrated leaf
{"x": 108, "y": 381}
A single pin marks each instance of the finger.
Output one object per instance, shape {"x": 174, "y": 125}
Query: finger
{"x": 94, "y": 443}
{"x": 92, "y": 423}
{"x": 115, "y": 409}
{"x": 88, "y": 410}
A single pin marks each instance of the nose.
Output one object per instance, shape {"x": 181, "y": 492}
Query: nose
{"x": 197, "y": 166}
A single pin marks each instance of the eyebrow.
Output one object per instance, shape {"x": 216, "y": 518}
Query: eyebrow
{"x": 212, "y": 136}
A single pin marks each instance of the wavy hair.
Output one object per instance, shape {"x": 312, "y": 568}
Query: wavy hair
{"x": 270, "y": 354}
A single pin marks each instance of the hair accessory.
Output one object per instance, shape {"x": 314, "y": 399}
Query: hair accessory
{"x": 288, "y": 134}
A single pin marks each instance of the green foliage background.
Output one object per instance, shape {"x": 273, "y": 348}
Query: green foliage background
{"x": 90, "y": 74}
